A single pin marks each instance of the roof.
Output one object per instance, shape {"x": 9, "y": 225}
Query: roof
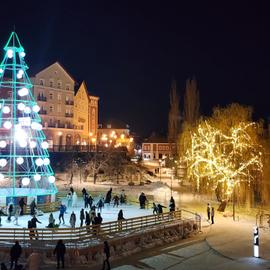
{"x": 154, "y": 138}
{"x": 60, "y": 66}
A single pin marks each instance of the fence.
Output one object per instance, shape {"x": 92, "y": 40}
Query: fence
{"x": 82, "y": 237}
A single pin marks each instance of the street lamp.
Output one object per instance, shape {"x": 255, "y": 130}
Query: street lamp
{"x": 160, "y": 170}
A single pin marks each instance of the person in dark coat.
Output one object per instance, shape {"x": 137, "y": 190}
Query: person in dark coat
{"x": 115, "y": 201}
{"x": 85, "y": 198}
{"x": 172, "y": 204}
{"x": 90, "y": 201}
{"x": 212, "y": 215}
{"x": 87, "y": 221}
{"x": 33, "y": 207}
{"x": 120, "y": 219}
{"x": 15, "y": 253}
{"x": 62, "y": 211}
{"x": 34, "y": 222}
{"x": 59, "y": 251}
{"x": 10, "y": 211}
{"x": 208, "y": 210}
{"x": 142, "y": 200}
{"x": 155, "y": 209}
{"x": 107, "y": 256}
{"x": 71, "y": 190}
{"x": 123, "y": 197}
{"x": 160, "y": 208}
{"x": 100, "y": 204}
{"x": 83, "y": 192}
{"x": 108, "y": 196}
{"x": 82, "y": 217}
{"x": 22, "y": 204}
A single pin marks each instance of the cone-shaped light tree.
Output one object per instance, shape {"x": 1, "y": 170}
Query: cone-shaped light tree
{"x": 25, "y": 169}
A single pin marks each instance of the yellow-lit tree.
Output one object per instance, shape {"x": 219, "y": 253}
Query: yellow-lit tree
{"x": 224, "y": 152}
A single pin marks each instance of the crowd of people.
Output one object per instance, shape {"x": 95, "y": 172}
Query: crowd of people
{"x": 89, "y": 216}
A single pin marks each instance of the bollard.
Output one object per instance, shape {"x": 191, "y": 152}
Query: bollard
{"x": 256, "y": 242}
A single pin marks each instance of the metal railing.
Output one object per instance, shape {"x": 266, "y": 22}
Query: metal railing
{"x": 87, "y": 236}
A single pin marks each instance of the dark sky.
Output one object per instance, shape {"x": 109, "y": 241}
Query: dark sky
{"x": 129, "y": 51}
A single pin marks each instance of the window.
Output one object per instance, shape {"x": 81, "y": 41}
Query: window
{"x": 67, "y": 98}
{"x": 59, "y": 108}
{"x": 41, "y": 82}
{"x": 51, "y": 83}
{"x": 159, "y": 156}
{"x": 51, "y": 108}
{"x": 59, "y": 97}
{"x": 51, "y": 95}
{"x": 59, "y": 84}
{"x": 67, "y": 86}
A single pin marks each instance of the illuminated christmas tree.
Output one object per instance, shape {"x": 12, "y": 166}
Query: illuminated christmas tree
{"x": 25, "y": 169}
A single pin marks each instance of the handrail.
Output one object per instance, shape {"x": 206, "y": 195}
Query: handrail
{"x": 81, "y": 237}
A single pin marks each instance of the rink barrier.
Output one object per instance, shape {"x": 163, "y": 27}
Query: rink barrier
{"x": 86, "y": 236}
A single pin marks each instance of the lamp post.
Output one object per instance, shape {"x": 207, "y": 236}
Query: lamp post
{"x": 160, "y": 170}
{"x": 172, "y": 177}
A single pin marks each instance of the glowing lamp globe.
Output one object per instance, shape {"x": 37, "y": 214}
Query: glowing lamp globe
{"x": 19, "y": 160}
{"x": 36, "y": 126}
{"x": 36, "y": 108}
{"x": 9, "y": 53}
{"x": 3, "y": 162}
{"x": 46, "y": 161}
{"x": 32, "y": 144}
{"x": 25, "y": 181}
{"x": 51, "y": 179}
{"x": 6, "y": 109}
{"x": 19, "y": 75}
{"x": 2, "y": 177}
{"x": 27, "y": 110}
{"x": 37, "y": 177}
{"x": 22, "y": 54}
{"x": 44, "y": 145}
{"x": 39, "y": 162}
{"x": 21, "y": 106}
{"x": 1, "y": 71}
{"x": 3, "y": 144}
{"x": 23, "y": 143}
{"x": 7, "y": 125}
{"x": 23, "y": 92}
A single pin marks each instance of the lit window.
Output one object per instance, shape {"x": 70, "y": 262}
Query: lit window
{"x": 67, "y": 87}
{"x": 59, "y": 97}
{"x": 41, "y": 82}
{"x": 51, "y": 95}
{"x": 59, "y": 108}
{"x": 51, "y": 108}
{"x": 59, "y": 84}
{"x": 51, "y": 83}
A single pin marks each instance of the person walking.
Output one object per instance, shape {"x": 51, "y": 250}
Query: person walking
{"x": 51, "y": 221}
{"x": 69, "y": 199}
{"x": 100, "y": 204}
{"x": 22, "y": 204}
{"x": 142, "y": 200}
{"x": 62, "y": 212}
{"x": 108, "y": 196}
{"x": 120, "y": 219}
{"x": 107, "y": 256}
{"x": 15, "y": 253}
{"x": 72, "y": 220}
{"x": 34, "y": 222}
{"x": 208, "y": 210}
{"x": 85, "y": 198}
{"x": 10, "y": 211}
{"x": 155, "y": 209}
{"x": 212, "y": 214}
{"x": 82, "y": 217}
{"x": 59, "y": 251}
{"x": 16, "y": 216}
{"x": 90, "y": 201}
{"x": 33, "y": 207}
{"x": 172, "y": 204}
{"x": 115, "y": 201}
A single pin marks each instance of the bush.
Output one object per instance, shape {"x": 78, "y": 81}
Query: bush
{"x": 131, "y": 183}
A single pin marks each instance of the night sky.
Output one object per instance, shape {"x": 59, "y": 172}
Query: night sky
{"x": 129, "y": 51}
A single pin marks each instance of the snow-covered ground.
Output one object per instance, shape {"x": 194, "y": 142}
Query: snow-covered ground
{"x": 109, "y": 213}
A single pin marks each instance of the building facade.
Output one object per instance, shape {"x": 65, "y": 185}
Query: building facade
{"x": 65, "y": 116}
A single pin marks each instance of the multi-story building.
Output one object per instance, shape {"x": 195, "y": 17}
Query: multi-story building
{"x": 67, "y": 119}
{"x": 85, "y": 116}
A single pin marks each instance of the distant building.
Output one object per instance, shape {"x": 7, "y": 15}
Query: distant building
{"x": 67, "y": 119}
{"x": 113, "y": 135}
{"x": 155, "y": 148}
